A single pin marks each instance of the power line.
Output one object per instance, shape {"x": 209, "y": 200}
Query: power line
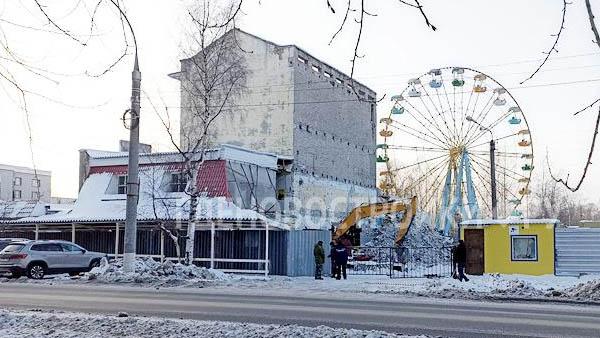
{"x": 354, "y": 99}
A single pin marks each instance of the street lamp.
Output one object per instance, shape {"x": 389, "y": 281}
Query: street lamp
{"x": 129, "y": 247}
{"x": 492, "y": 166}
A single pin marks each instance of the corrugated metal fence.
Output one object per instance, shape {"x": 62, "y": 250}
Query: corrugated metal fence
{"x": 300, "y": 258}
{"x": 577, "y": 251}
{"x": 290, "y": 252}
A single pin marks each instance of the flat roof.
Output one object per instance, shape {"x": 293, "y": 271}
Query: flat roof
{"x": 511, "y": 220}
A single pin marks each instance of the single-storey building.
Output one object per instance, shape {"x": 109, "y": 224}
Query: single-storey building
{"x": 509, "y": 246}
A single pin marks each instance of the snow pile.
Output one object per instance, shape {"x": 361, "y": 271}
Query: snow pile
{"x": 589, "y": 291}
{"x": 58, "y": 325}
{"x": 149, "y": 271}
{"x": 426, "y": 246}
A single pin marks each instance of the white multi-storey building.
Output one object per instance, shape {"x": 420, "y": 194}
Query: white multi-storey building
{"x": 24, "y": 184}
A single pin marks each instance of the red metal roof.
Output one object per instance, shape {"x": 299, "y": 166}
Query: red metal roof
{"x": 212, "y": 175}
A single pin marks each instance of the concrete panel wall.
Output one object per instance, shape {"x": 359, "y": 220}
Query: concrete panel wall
{"x": 334, "y": 132}
{"x": 319, "y": 202}
{"x": 262, "y": 117}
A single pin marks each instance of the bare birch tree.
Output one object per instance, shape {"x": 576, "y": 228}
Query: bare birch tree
{"x": 211, "y": 81}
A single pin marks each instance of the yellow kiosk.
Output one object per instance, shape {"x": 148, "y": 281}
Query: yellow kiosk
{"x": 509, "y": 246}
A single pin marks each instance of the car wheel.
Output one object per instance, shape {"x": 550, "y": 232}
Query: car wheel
{"x": 94, "y": 264}
{"x": 15, "y": 275}
{"x": 36, "y": 271}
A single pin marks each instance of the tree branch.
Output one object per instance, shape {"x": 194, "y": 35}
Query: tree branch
{"x": 565, "y": 181}
{"x": 553, "y": 48}
{"x": 592, "y": 22}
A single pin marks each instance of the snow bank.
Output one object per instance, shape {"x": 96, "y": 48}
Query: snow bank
{"x": 429, "y": 246}
{"x": 59, "y": 325}
{"x": 149, "y": 271}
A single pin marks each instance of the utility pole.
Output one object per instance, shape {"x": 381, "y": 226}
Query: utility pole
{"x": 492, "y": 167}
{"x": 493, "y": 176}
{"x": 132, "y": 172}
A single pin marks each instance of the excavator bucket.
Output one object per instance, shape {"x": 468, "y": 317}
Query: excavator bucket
{"x": 406, "y": 221}
{"x": 377, "y": 209}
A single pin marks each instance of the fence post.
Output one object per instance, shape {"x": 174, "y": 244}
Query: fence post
{"x": 72, "y": 232}
{"x": 391, "y": 252}
{"x": 37, "y": 232}
{"x": 212, "y": 245}
{"x": 162, "y": 247}
{"x": 116, "y": 240}
{"x": 266, "y": 248}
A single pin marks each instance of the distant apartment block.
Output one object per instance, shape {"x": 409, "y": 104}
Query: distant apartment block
{"x": 22, "y": 184}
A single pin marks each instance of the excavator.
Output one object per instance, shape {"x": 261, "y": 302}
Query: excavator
{"x": 378, "y": 209}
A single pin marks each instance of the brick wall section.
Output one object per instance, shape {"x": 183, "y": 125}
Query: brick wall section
{"x": 334, "y": 132}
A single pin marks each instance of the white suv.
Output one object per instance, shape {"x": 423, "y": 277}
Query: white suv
{"x": 40, "y": 258}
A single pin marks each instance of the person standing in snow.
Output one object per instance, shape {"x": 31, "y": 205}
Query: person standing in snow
{"x": 319, "y": 253}
{"x": 332, "y": 257}
{"x": 459, "y": 255}
{"x": 341, "y": 260}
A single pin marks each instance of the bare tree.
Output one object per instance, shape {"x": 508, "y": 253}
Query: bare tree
{"x": 211, "y": 80}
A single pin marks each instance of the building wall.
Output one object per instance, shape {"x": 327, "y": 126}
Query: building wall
{"x": 334, "y": 132}
{"x": 319, "y": 202}
{"x": 262, "y": 119}
{"x": 8, "y": 176}
{"x": 497, "y": 250}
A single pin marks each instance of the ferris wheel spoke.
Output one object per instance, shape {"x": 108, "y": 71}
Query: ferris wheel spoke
{"x": 498, "y": 153}
{"x": 502, "y": 184}
{"x": 450, "y": 108}
{"x": 514, "y": 175}
{"x": 439, "y": 111}
{"x": 496, "y": 139}
{"x": 431, "y": 122}
{"x": 426, "y": 138}
{"x": 497, "y": 121}
{"x": 423, "y": 125}
{"x": 436, "y": 167}
{"x": 419, "y": 148}
{"x": 421, "y": 162}
{"x": 436, "y": 184}
{"x": 480, "y": 117}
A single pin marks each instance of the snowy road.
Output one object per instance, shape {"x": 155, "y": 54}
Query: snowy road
{"x": 387, "y": 313}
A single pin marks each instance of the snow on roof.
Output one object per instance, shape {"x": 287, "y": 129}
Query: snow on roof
{"x": 225, "y": 151}
{"x": 20, "y": 209}
{"x": 96, "y": 204}
{"x": 511, "y": 220}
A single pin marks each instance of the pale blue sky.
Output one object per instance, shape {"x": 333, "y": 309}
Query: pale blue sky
{"x": 501, "y": 38}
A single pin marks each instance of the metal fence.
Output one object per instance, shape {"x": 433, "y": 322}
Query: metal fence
{"x": 401, "y": 262}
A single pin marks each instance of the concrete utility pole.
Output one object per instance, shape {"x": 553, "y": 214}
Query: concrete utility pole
{"x": 492, "y": 167}
{"x": 132, "y": 172}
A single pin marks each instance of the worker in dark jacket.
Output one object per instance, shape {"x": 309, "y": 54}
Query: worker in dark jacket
{"x": 319, "y": 253}
{"x": 341, "y": 260}
{"x": 332, "y": 257}
{"x": 459, "y": 256}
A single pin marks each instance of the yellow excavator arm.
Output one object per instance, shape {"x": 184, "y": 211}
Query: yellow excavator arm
{"x": 377, "y": 209}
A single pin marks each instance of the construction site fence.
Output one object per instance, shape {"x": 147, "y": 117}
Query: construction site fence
{"x": 401, "y": 262}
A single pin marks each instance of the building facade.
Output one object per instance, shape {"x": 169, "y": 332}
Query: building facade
{"x": 24, "y": 184}
{"x": 299, "y": 107}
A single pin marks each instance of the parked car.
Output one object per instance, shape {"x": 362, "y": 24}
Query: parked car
{"x": 4, "y": 242}
{"x": 39, "y": 258}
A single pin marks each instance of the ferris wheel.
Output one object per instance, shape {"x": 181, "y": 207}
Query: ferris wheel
{"x": 437, "y": 140}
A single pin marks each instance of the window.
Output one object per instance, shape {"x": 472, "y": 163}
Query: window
{"x": 16, "y": 194}
{"x": 524, "y": 248}
{"x": 35, "y": 182}
{"x": 302, "y": 60}
{"x": 176, "y": 182}
{"x": 35, "y": 196}
{"x": 46, "y": 247}
{"x": 315, "y": 68}
{"x": 70, "y": 247}
{"x": 17, "y": 181}
{"x": 122, "y": 185}
{"x": 327, "y": 74}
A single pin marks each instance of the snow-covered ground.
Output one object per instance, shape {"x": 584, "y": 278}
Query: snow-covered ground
{"x": 150, "y": 273}
{"x": 22, "y": 324}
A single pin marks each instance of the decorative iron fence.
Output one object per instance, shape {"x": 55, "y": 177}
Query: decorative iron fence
{"x": 401, "y": 262}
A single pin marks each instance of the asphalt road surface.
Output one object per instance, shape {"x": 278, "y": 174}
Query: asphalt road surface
{"x": 389, "y": 313}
